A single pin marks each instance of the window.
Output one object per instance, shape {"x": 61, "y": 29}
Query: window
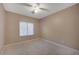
{"x": 26, "y": 28}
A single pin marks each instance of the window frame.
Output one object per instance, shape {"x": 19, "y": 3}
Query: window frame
{"x": 27, "y": 29}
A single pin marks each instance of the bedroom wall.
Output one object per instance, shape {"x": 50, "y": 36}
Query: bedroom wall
{"x": 62, "y": 27}
{"x": 2, "y": 22}
{"x": 12, "y": 27}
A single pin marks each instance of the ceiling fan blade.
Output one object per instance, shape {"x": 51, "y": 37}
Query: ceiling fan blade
{"x": 44, "y": 9}
{"x": 26, "y": 4}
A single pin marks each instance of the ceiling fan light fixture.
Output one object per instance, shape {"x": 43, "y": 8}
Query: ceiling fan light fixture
{"x": 35, "y": 10}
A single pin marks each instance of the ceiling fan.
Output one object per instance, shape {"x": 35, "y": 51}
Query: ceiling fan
{"x": 36, "y": 7}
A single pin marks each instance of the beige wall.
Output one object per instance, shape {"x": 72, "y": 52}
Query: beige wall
{"x": 12, "y": 27}
{"x": 2, "y": 22}
{"x": 63, "y": 27}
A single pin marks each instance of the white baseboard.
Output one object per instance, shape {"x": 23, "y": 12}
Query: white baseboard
{"x": 60, "y": 45}
{"x": 20, "y": 42}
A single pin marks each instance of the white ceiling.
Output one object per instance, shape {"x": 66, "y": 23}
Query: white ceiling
{"x": 25, "y": 10}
